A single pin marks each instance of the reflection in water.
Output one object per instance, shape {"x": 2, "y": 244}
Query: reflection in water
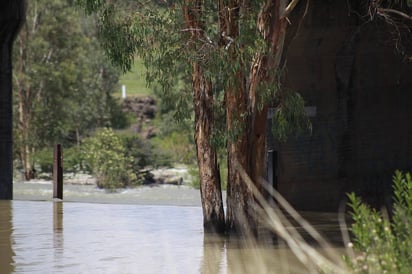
{"x": 213, "y": 252}
{"x": 248, "y": 257}
{"x": 52, "y": 237}
{"x": 240, "y": 256}
{"x": 6, "y": 231}
{"x": 58, "y": 227}
{"x": 56, "y": 237}
{"x": 234, "y": 256}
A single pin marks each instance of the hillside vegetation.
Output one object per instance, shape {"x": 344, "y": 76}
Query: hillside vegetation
{"x": 135, "y": 81}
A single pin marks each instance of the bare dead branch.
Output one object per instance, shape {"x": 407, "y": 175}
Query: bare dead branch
{"x": 290, "y": 8}
{"x": 276, "y": 221}
{"x": 382, "y": 11}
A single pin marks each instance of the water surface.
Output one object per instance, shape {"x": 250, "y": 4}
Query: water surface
{"x": 148, "y": 230}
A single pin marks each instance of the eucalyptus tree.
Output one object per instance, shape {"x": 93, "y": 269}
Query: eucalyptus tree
{"x": 233, "y": 52}
{"x": 12, "y": 14}
{"x": 246, "y": 62}
{"x": 60, "y": 92}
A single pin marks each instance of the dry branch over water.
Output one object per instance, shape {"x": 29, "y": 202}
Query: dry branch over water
{"x": 272, "y": 216}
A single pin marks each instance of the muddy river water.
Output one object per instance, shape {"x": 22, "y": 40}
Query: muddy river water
{"x": 147, "y": 230}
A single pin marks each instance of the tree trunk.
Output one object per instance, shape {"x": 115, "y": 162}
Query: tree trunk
{"x": 266, "y": 67}
{"x": 240, "y": 217}
{"x": 248, "y": 147}
{"x": 24, "y": 101}
{"x": 11, "y": 16}
{"x": 210, "y": 187}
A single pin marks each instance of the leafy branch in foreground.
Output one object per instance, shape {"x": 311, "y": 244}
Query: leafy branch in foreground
{"x": 383, "y": 245}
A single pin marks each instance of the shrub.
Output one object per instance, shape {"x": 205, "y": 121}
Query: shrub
{"x": 142, "y": 154}
{"x": 383, "y": 245}
{"x": 73, "y": 159}
{"x": 194, "y": 175}
{"x": 176, "y": 147}
{"x": 105, "y": 155}
{"x": 44, "y": 159}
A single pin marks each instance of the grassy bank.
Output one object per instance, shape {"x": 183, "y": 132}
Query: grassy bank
{"x": 135, "y": 81}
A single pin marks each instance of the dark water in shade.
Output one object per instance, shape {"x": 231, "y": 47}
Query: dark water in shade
{"x": 78, "y": 237}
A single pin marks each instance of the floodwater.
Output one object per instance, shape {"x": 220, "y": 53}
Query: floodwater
{"x": 148, "y": 230}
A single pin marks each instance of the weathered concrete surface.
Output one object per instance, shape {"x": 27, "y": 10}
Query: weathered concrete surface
{"x": 361, "y": 88}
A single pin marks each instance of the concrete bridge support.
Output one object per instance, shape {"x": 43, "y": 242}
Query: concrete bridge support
{"x": 12, "y": 14}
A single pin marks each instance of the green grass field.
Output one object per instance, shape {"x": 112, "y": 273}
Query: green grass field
{"x": 135, "y": 81}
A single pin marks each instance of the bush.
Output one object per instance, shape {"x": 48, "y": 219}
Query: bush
{"x": 139, "y": 151}
{"x": 105, "y": 154}
{"x": 73, "y": 159}
{"x": 176, "y": 147}
{"x": 194, "y": 175}
{"x": 383, "y": 245}
{"x": 44, "y": 159}
{"x": 142, "y": 155}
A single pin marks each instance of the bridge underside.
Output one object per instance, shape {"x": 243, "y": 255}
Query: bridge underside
{"x": 357, "y": 89}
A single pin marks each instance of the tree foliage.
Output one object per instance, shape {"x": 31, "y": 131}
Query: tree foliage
{"x": 61, "y": 93}
{"x": 230, "y": 52}
{"x": 117, "y": 159}
{"x": 105, "y": 154}
{"x": 158, "y": 34}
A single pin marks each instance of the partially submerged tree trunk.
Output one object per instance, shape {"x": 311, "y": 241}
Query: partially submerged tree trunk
{"x": 210, "y": 187}
{"x": 246, "y": 110}
{"x": 11, "y": 17}
{"x": 240, "y": 201}
{"x": 240, "y": 217}
{"x": 227, "y": 43}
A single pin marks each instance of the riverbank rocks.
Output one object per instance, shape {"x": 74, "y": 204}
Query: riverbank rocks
{"x": 68, "y": 178}
{"x": 170, "y": 176}
{"x": 79, "y": 179}
{"x": 152, "y": 177}
{"x": 144, "y": 109}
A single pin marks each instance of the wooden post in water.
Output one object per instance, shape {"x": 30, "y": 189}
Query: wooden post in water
{"x": 58, "y": 172}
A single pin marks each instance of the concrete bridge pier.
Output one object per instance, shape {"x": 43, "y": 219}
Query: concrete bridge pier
{"x": 12, "y": 15}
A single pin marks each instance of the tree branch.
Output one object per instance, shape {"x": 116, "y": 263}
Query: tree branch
{"x": 397, "y": 12}
{"x": 290, "y": 8}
